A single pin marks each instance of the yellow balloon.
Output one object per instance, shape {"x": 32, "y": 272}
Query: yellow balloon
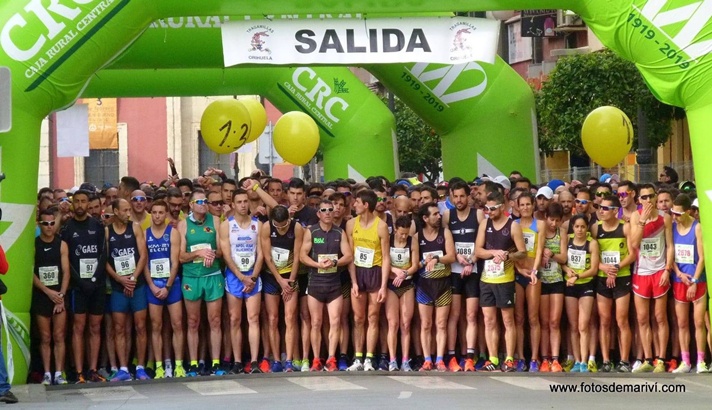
{"x": 607, "y": 136}
{"x": 225, "y": 125}
{"x": 296, "y": 137}
{"x": 258, "y": 116}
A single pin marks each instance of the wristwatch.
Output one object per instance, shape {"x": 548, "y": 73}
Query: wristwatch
{"x": 694, "y": 280}
{"x": 61, "y": 295}
{"x": 617, "y": 266}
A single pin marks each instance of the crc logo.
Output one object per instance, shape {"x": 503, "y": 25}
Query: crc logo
{"x": 320, "y": 92}
{"x": 447, "y": 76}
{"x": 695, "y": 17}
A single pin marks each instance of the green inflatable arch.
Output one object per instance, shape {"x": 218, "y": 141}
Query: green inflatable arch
{"x": 53, "y": 49}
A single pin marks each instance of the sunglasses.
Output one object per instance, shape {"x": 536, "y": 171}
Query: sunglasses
{"x": 187, "y": 193}
{"x": 64, "y": 199}
{"x": 326, "y": 210}
{"x": 107, "y": 216}
{"x": 492, "y": 208}
{"x": 582, "y": 201}
{"x": 138, "y": 199}
{"x": 379, "y": 199}
{"x": 47, "y": 223}
{"x": 201, "y": 201}
{"x": 216, "y": 203}
{"x": 608, "y": 208}
{"x": 676, "y": 212}
{"x": 646, "y": 197}
{"x": 601, "y": 194}
{"x": 347, "y": 193}
{"x": 286, "y": 224}
{"x": 623, "y": 195}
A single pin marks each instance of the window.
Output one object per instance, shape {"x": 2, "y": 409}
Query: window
{"x": 102, "y": 166}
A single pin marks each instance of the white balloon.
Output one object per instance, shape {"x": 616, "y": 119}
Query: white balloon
{"x": 503, "y": 15}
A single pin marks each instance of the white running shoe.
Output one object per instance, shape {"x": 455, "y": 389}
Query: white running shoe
{"x": 682, "y": 368}
{"x": 357, "y": 366}
{"x": 368, "y": 365}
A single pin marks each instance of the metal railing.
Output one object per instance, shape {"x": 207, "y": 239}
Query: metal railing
{"x": 636, "y": 172}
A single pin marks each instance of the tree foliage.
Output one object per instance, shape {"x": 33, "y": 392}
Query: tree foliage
{"x": 418, "y": 143}
{"x": 581, "y": 83}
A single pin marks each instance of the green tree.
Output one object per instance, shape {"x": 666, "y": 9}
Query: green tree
{"x": 418, "y": 143}
{"x": 581, "y": 83}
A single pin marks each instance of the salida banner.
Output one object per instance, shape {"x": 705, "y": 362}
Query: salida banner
{"x": 445, "y": 40}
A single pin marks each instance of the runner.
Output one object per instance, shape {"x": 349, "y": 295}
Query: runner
{"x": 139, "y": 213}
{"x": 543, "y": 197}
{"x": 627, "y": 193}
{"x": 339, "y": 219}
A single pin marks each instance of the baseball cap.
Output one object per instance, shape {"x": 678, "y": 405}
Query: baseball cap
{"x": 605, "y": 178}
{"x": 686, "y": 186}
{"x": 546, "y": 192}
{"x": 555, "y": 183}
{"x": 87, "y": 187}
{"x": 72, "y": 190}
{"x": 503, "y": 181}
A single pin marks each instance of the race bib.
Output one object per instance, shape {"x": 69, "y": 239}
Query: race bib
{"x": 466, "y": 249}
{"x": 280, "y": 257}
{"x": 651, "y": 247}
{"x": 610, "y": 258}
{"x": 325, "y": 257}
{"x": 529, "y": 239}
{"x": 244, "y": 260}
{"x": 551, "y": 272}
{"x": 493, "y": 270}
{"x": 87, "y": 267}
{"x": 197, "y": 247}
{"x": 49, "y": 275}
{"x": 125, "y": 265}
{"x": 685, "y": 254}
{"x": 438, "y": 266}
{"x": 577, "y": 259}
{"x": 364, "y": 257}
{"x": 160, "y": 268}
{"x": 400, "y": 257}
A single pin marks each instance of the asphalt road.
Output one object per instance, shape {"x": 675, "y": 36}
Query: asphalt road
{"x": 380, "y": 390}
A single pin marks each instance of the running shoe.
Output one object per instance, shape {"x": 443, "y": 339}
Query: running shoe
{"x": 480, "y": 363}
{"x": 203, "y": 369}
{"x": 368, "y": 365}
{"x": 440, "y": 366}
{"x": 316, "y": 365}
{"x": 305, "y": 365}
{"x": 150, "y": 372}
{"x": 265, "y": 366}
{"x": 462, "y": 363}
{"x": 122, "y": 376}
{"x": 568, "y": 365}
{"x": 427, "y": 366}
{"x": 141, "y": 374}
{"x": 405, "y": 366}
{"x": 659, "y": 366}
{"x": 80, "y": 378}
{"x": 556, "y": 367}
{"x": 488, "y": 366}
{"x": 357, "y": 366}
{"x": 47, "y": 379}
{"x": 237, "y": 368}
{"x": 217, "y": 370}
{"x": 637, "y": 364}
{"x": 94, "y": 377}
{"x": 545, "y": 366}
{"x": 576, "y": 368}
{"x": 417, "y": 363}
{"x": 521, "y": 365}
{"x": 192, "y": 371}
{"x": 178, "y": 372}
{"x": 297, "y": 365}
{"x": 623, "y": 367}
{"x": 393, "y": 366}
{"x": 169, "y": 372}
{"x": 383, "y": 363}
{"x": 103, "y": 373}
{"x": 277, "y": 367}
{"x": 606, "y": 368}
{"x": 291, "y": 367}
{"x": 331, "y": 365}
{"x": 509, "y": 366}
{"x": 469, "y": 365}
{"x": 592, "y": 367}
{"x": 453, "y": 366}
{"x": 343, "y": 363}
{"x": 533, "y": 367}
{"x": 682, "y": 368}
{"x": 59, "y": 380}
{"x": 672, "y": 365}
{"x": 701, "y": 368}
{"x": 160, "y": 373}
{"x": 583, "y": 368}
{"x": 645, "y": 367}
{"x": 255, "y": 367}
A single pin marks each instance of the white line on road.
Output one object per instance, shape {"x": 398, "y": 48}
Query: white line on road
{"x": 405, "y": 394}
{"x": 112, "y": 393}
{"x": 430, "y": 383}
{"x": 529, "y": 383}
{"x": 218, "y": 388}
{"x": 324, "y": 383}
{"x": 624, "y": 380}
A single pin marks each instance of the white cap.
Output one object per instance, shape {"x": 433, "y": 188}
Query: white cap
{"x": 696, "y": 203}
{"x": 504, "y": 181}
{"x": 546, "y": 191}
{"x": 73, "y": 190}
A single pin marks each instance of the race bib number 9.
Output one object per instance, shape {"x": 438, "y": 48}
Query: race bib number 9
{"x": 49, "y": 275}
{"x": 400, "y": 257}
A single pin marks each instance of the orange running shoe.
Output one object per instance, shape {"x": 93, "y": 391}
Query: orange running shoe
{"x": 427, "y": 366}
{"x": 316, "y": 365}
{"x": 440, "y": 366}
{"x": 265, "y": 366}
{"x": 331, "y": 365}
{"x": 672, "y": 365}
{"x": 556, "y": 367}
{"x": 469, "y": 365}
{"x": 545, "y": 366}
{"x": 454, "y": 366}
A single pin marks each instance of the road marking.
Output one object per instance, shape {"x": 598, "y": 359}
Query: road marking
{"x": 430, "y": 383}
{"x": 529, "y": 383}
{"x": 686, "y": 381}
{"x": 324, "y": 383}
{"x": 405, "y": 394}
{"x": 218, "y": 388}
{"x": 112, "y": 393}
{"x": 623, "y": 380}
